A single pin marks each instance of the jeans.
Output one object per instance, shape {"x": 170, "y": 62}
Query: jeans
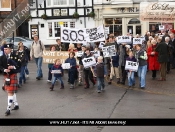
{"x": 101, "y": 83}
{"x": 88, "y": 75}
{"x": 59, "y": 78}
{"x": 39, "y": 62}
{"x": 22, "y": 75}
{"x": 26, "y": 69}
{"x": 71, "y": 75}
{"x": 142, "y": 70}
{"x": 49, "y": 74}
{"x": 131, "y": 79}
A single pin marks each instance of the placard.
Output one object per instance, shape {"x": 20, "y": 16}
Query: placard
{"x": 56, "y": 71}
{"x": 137, "y": 40}
{"x": 80, "y": 53}
{"x": 161, "y": 27}
{"x": 73, "y": 35}
{"x": 101, "y": 45}
{"x": 87, "y": 62}
{"x": 124, "y": 39}
{"x": 96, "y": 53}
{"x": 66, "y": 65}
{"x": 130, "y": 65}
{"x": 109, "y": 51}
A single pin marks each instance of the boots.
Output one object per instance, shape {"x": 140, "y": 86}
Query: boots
{"x": 118, "y": 80}
{"x": 51, "y": 88}
{"x": 110, "y": 81}
{"x": 62, "y": 86}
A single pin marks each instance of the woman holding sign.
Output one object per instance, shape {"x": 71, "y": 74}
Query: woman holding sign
{"x": 154, "y": 65}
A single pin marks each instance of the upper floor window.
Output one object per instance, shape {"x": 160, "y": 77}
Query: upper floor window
{"x": 5, "y": 5}
{"x": 60, "y": 2}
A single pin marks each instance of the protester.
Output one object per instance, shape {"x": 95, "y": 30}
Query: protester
{"x": 162, "y": 50}
{"x": 2, "y": 46}
{"x": 58, "y": 75}
{"x": 101, "y": 74}
{"x": 37, "y": 49}
{"x": 170, "y": 53}
{"x": 131, "y": 79}
{"x": 154, "y": 65}
{"x": 141, "y": 57}
{"x": 72, "y": 48}
{"x": 172, "y": 41}
{"x": 59, "y": 46}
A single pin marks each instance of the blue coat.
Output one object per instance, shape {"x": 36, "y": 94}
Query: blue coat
{"x": 59, "y": 67}
{"x": 72, "y": 63}
{"x": 115, "y": 60}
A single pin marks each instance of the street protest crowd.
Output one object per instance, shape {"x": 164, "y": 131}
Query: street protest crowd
{"x": 124, "y": 57}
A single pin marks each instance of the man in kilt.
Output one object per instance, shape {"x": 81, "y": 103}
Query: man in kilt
{"x": 10, "y": 65}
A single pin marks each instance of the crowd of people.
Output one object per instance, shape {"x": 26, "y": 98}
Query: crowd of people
{"x": 156, "y": 53}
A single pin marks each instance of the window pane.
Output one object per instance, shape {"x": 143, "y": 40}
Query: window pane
{"x": 130, "y": 29}
{"x": 50, "y": 29}
{"x": 49, "y": 2}
{"x": 57, "y": 29}
{"x": 71, "y": 2}
{"x": 118, "y": 21}
{"x": 117, "y": 30}
{"x": 60, "y": 2}
{"x": 138, "y": 30}
{"x": 108, "y": 21}
{"x": 72, "y": 24}
{"x": 65, "y": 24}
{"x": 5, "y": 3}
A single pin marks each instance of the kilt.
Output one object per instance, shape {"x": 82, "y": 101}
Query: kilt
{"x": 13, "y": 87}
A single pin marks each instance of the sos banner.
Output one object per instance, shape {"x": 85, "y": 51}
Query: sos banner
{"x": 87, "y": 62}
{"x": 130, "y": 65}
{"x": 73, "y": 35}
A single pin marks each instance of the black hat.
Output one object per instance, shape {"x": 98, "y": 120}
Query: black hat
{"x": 10, "y": 45}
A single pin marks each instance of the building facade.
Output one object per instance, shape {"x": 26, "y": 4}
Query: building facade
{"x": 123, "y": 16}
{"x": 49, "y": 15}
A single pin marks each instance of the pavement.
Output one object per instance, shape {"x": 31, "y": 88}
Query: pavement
{"x": 117, "y": 101}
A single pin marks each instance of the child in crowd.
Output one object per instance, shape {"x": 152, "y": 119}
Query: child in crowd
{"x": 72, "y": 48}
{"x": 50, "y": 65}
{"x": 57, "y": 66}
{"x": 72, "y": 71}
{"x": 131, "y": 79}
{"x": 114, "y": 68}
{"x": 101, "y": 73}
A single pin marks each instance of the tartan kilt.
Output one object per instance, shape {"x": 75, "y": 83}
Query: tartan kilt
{"x": 13, "y": 87}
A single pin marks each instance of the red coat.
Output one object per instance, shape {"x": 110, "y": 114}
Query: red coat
{"x": 153, "y": 59}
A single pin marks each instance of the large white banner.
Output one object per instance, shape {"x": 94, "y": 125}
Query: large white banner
{"x": 73, "y": 35}
{"x": 109, "y": 51}
{"x": 124, "y": 39}
{"x": 130, "y": 65}
{"x": 87, "y": 62}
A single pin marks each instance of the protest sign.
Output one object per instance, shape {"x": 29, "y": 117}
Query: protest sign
{"x": 87, "y": 62}
{"x": 137, "y": 40}
{"x": 56, "y": 71}
{"x": 80, "y": 53}
{"x": 101, "y": 45}
{"x": 96, "y": 53}
{"x": 66, "y": 65}
{"x": 161, "y": 27}
{"x": 109, "y": 51}
{"x": 73, "y": 35}
{"x": 124, "y": 39}
{"x": 130, "y": 65}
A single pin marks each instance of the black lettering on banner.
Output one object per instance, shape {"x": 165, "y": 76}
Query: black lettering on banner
{"x": 73, "y": 39}
{"x": 87, "y": 31}
{"x": 88, "y": 60}
{"x": 79, "y": 33}
{"x": 65, "y": 32}
{"x": 129, "y": 63}
{"x": 134, "y": 64}
{"x": 137, "y": 40}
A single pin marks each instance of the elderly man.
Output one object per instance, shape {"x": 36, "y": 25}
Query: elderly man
{"x": 172, "y": 41}
{"x": 162, "y": 50}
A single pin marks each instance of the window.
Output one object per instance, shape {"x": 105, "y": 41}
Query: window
{"x": 115, "y": 25}
{"x": 5, "y": 5}
{"x": 54, "y": 28}
{"x": 60, "y": 2}
{"x": 18, "y": 40}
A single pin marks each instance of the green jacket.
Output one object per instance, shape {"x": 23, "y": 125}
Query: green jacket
{"x": 162, "y": 50}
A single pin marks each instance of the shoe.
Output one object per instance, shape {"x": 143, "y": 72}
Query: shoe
{"x": 102, "y": 89}
{"x": 99, "y": 91}
{"x": 27, "y": 76}
{"x": 3, "y": 88}
{"x": 62, "y": 87}
{"x": 123, "y": 83}
{"x": 24, "y": 82}
{"x": 86, "y": 87}
{"x": 118, "y": 80}
{"x": 162, "y": 79}
{"x": 19, "y": 85}
{"x": 16, "y": 107}
{"x": 142, "y": 87}
{"x": 71, "y": 86}
{"x": 153, "y": 78}
{"x": 7, "y": 113}
{"x": 51, "y": 88}
{"x": 41, "y": 76}
{"x": 38, "y": 78}
{"x": 49, "y": 81}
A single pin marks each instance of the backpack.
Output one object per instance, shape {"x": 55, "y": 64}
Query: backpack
{"x": 41, "y": 48}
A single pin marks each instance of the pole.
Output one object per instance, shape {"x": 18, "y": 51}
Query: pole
{"x": 13, "y": 39}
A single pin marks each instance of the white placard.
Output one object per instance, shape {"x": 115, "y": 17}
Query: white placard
{"x": 106, "y": 30}
{"x": 80, "y": 53}
{"x": 130, "y": 65}
{"x": 56, "y": 71}
{"x": 109, "y": 51}
{"x": 143, "y": 38}
{"x": 96, "y": 53}
{"x": 137, "y": 40}
{"x": 124, "y": 39}
{"x": 66, "y": 65}
{"x": 161, "y": 27}
{"x": 87, "y": 62}
{"x": 101, "y": 45}
{"x": 73, "y": 35}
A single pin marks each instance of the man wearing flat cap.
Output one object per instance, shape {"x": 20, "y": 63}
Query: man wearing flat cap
{"x": 10, "y": 65}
